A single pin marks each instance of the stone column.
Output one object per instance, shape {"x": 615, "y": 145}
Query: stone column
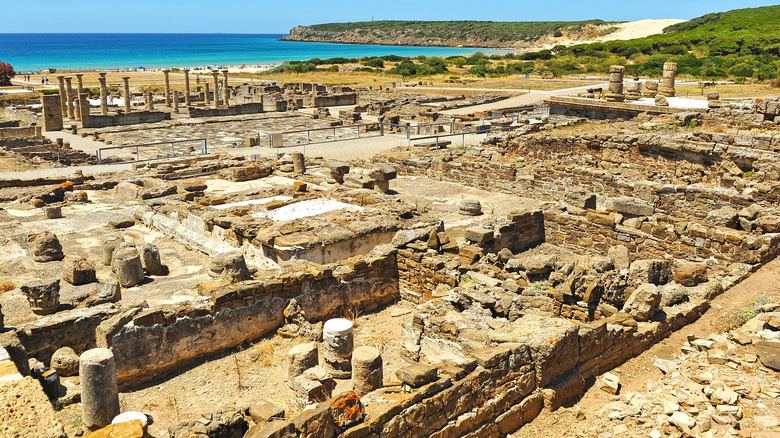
{"x": 226, "y": 90}
{"x": 667, "y": 86}
{"x": 126, "y": 80}
{"x": 166, "y": 72}
{"x": 337, "y": 347}
{"x": 103, "y": 94}
{"x": 176, "y": 101}
{"x": 215, "y": 73}
{"x": 649, "y": 89}
{"x": 367, "y": 370}
{"x": 207, "y": 94}
{"x": 633, "y": 90}
{"x": 69, "y": 97}
{"x": 615, "y": 92}
{"x": 80, "y": 82}
{"x": 99, "y": 394}
{"x": 149, "y": 101}
{"x": 84, "y": 110}
{"x": 302, "y": 357}
{"x": 299, "y": 164}
{"x": 63, "y": 98}
{"x": 187, "y": 87}
{"x": 51, "y": 113}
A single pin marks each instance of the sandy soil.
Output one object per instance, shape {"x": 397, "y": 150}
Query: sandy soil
{"x": 626, "y": 31}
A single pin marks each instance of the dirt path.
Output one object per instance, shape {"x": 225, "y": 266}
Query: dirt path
{"x": 635, "y": 373}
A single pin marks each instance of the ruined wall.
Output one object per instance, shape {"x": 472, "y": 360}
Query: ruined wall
{"x": 334, "y": 100}
{"x": 23, "y": 115}
{"x": 494, "y": 391}
{"x": 134, "y": 118}
{"x": 31, "y": 132}
{"x": 157, "y": 340}
{"x": 235, "y": 110}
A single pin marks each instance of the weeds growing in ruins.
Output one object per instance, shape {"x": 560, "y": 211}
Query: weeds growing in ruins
{"x": 539, "y": 287}
{"x": 466, "y": 278}
{"x": 265, "y": 351}
{"x": 740, "y": 316}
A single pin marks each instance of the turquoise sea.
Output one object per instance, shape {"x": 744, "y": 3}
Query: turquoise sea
{"x": 90, "y": 51}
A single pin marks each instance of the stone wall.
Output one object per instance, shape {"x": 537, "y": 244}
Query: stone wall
{"x": 23, "y": 115}
{"x": 157, "y": 340}
{"x": 494, "y": 391}
{"x": 235, "y": 110}
{"x": 333, "y": 100}
{"x": 133, "y": 118}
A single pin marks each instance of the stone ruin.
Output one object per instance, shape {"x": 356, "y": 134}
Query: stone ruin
{"x": 606, "y": 243}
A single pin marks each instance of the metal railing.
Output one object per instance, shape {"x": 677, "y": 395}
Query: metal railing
{"x": 437, "y": 138}
{"x": 319, "y": 135}
{"x": 154, "y": 147}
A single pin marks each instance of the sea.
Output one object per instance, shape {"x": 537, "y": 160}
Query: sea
{"x": 110, "y": 51}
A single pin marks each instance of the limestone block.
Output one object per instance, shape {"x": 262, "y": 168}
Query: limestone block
{"x": 52, "y": 212}
{"x": 657, "y": 272}
{"x": 47, "y": 248}
{"x": 643, "y": 302}
{"x": 479, "y": 235}
{"x": 769, "y": 353}
{"x": 609, "y": 383}
{"x": 65, "y": 362}
{"x": 723, "y": 217}
{"x": 649, "y": 89}
{"x": 690, "y": 275}
{"x": 127, "y": 266}
{"x": 417, "y": 375}
{"x": 661, "y": 101}
{"x": 302, "y": 357}
{"x": 264, "y": 411}
{"x": 315, "y": 385}
{"x": 630, "y": 205}
{"x": 299, "y": 163}
{"x": 554, "y": 345}
{"x": 620, "y": 256}
{"x": 76, "y": 270}
{"x": 367, "y": 370}
{"x": 43, "y": 296}
{"x": 125, "y": 429}
{"x": 107, "y": 292}
{"x": 122, "y": 222}
{"x": 230, "y": 266}
{"x": 563, "y": 390}
{"x": 633, "y": 90}
{"x": 383, "y": 172}
{"x": 151, "y": 260}
{"x": 99, "y": 395}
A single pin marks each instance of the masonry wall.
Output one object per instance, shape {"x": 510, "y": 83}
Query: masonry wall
{"x": 235, "y": 110}
{"x": 162, "y": 339}
{"x": 133, "y": 118}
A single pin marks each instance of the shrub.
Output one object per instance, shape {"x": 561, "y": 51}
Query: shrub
{"x": 6, "y": 73}
{"x": 741, "y": 70}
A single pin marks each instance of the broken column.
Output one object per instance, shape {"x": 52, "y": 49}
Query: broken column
{"x": 299, "y": 163}
{"x": 367, "y": 370}
{"x": 167, "y": 72}
{"x": 69, "y": 97}
{"x": 713, "y": 100}
{"x": 302, "y": 357}
{"x": 63, "y": 107}
{"x": 151, "y": 260}
{"x": 103, "y": 94}
{"x": 633, "y": 90}
{"x": 109, "y": 245}
{"x": 43, "y": 296}
{"x": 51, "y": 115}
{"x": 207, "y": 94}
{"x": 79, "y": 83}
{"x": 99, "y": 394}
{"x": 649, "y": 89}
{"x": 230, "y": 266}
{"x": 667, "y": 86}
{"x": 76, "y": 270}
{"x": 126, "y": 84}
{"x": 149, "y": 101}
{"x": 615, "y": 92}
{"x": 176, "y": 101}
{"x": 337, "y": 346}
{"x": 187, "y": 86}
{"x": 225, "y": 89}
{"x": 215, "y": 73}
{"x": 126, "y": 262}
{"x": 84, "y": 110}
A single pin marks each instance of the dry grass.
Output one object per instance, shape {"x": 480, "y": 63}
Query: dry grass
{"x": 728, "y": 91}
{"x": 266, "y": 351}
{"x": 6, "y": 286}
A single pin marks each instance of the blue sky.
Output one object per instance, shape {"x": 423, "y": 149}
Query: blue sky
{"x": 263, "y": 16}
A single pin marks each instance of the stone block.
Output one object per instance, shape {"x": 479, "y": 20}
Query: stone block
{"x": 383, "y": 172}
{"x": 76, "y": 270}
{"x": 690, "y": 275}
{"x": 264, "y": 411}
{"x": 479, "y": 235}
{"x": 52, "y": 212}
{"x": 65, "y": 362}
{"x": 230, "y": 266}
{"x": 151, "y": 260}
{"x": 47, "y": 248}
{"x": 126, "y": 263}
{"x": 417, "y": 375}
{"x": 643, "y": 302}
{"x": 631, "y": 206}
{"x": 470, "y": 208}
{"x": 315, "y": 385}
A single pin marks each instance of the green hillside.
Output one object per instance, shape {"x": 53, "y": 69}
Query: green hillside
{"x": 476, "y": 30}
{"x": 741, "y": 43}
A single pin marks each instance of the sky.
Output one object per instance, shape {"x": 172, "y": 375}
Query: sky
{"x": 263, "y": 16}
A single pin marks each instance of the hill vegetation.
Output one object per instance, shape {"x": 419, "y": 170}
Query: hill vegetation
{"x": 742, "y": 44}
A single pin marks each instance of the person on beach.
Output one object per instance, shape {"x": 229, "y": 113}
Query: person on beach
{"x": 42, "y": 81}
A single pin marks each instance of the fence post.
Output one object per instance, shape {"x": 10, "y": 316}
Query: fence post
{"x": 381, "y": 129}
{"x": 173, "y": 150}
{"x": 204, "y": 147}
{"x": 137, "y": 153}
